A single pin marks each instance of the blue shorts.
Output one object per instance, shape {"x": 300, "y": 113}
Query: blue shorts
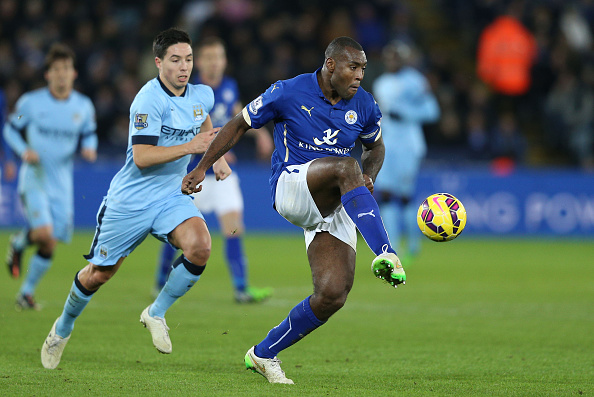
{"x": 119, "y": 233}
{"x": 41, "y": 210}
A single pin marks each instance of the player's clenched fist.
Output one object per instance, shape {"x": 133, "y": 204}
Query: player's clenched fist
{"x": 191, "y": 181}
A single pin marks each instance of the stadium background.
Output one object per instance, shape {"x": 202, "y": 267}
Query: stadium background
{"x": 531, "y": 181}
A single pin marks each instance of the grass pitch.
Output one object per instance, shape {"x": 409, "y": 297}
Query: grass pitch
{"x": 477, "y": 317}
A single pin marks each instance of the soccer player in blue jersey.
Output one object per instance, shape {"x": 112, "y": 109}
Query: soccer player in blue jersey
{"x": 317, "y": 185}
{"x": 45, "y": 131}
{"x": 169, "y": 121}
{"x": 406, "y": 100}
{"x": 222, "y": 197}
{"x": 8, "y": 168}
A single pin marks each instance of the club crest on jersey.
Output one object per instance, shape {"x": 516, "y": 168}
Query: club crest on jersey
{"x": 198, "y": 112}
{"x": 350, "y": 117}
{"x": 140, "y": 121}
{"x": 103, "y": 252}
{"x": 255, "y": 105}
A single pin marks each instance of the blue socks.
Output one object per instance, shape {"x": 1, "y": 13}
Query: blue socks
{"x": 77, "y": 300}
{"x": 363, "y": 210}
{"x": 167, "y": 254}
{"x": 38, "y": 266}
{"x": 236, "y": 262}
{"x": 180, "y": 280}
{"x": 300, "y": 322}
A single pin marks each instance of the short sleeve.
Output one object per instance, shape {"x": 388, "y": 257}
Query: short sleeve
{"x": 264, "y": 109}
{"x": 372, "y": 129}
{"x": 20, "y": 118}
{"x": 146, "y": 114}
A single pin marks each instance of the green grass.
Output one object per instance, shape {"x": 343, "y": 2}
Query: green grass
{"x": 477, "y": 317}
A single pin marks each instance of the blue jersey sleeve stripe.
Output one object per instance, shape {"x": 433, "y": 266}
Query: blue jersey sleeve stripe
{"x": 145, "y": 140}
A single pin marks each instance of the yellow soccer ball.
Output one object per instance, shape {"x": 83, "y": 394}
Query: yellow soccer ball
{"x": 441, "y": 217}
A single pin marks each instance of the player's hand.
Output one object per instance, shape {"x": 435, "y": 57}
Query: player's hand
{"x": 368, "y": 182}
{"x": 89, "y": 154}
{"x": 201, "y": 141}
{"x": 30, "y": 156}
{"x": 190, "y": 183}
{"x": 221, "y": 169}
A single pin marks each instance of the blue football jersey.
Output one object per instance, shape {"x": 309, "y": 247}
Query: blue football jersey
{"x": 53, "y": 128}
{"x": 307, "y": 126}
{"x": 158, "y": 117}
{"x": 226, "y": 95}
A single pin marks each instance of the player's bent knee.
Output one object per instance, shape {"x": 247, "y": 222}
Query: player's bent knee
{"x": 197, "y": 255}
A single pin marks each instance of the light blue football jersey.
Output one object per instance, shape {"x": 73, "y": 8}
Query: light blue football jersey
{"x": 226, "y": 95}
{"x": 53, "y": 128}
{"x": 307, "y": 126}
{"x": 158, "y": 117}
{"x": 408, "y": 94}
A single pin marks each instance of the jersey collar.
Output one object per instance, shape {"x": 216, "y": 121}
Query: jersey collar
{"x": 168, "y": 91}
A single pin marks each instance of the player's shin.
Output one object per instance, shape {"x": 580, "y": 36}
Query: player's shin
{"x": 182, "y": 277}
{"x": 77, "y": 300}
{"x": 300, "y": 322}
{"x": 38, "y": 266}
{"x": 236, "y": 262}
{"x": 364, "y": 211}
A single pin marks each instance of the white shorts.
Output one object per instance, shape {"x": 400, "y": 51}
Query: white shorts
{"x": 294, "y": 202}
{"x": 220, "y": 197}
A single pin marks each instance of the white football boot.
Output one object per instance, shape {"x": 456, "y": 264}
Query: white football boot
{"x": 51, "y": 351}
{"x": 267, "y": 367}
{"x": 159, "y": 331}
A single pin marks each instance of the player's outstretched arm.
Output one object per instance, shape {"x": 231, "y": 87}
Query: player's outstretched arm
{"x": 149, "y": 155}
{"x": 227, "y": 137}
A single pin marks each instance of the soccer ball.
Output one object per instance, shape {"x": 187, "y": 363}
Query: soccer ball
{"x": 441, "y": 217}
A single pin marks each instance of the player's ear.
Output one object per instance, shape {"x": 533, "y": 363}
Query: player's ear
{"x": 158, "y": 62}
{"x": 330, "y": 64}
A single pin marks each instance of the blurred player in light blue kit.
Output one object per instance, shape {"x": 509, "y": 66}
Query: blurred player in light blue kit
{"x": 224, "y": 198}
{"x": 169, "y": 122}
{"x": 406, "y": 100}
{"x": 317, "y": 185}
{"x": 45, "y": 131}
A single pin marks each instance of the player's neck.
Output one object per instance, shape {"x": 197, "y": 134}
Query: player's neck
{"x": 59, "y": 94}
{"x": 330, "y": 94}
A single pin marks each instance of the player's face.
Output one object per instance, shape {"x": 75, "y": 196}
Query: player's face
{"x": 211, "y": 61}
{"x": 348, "y": 72}
{"x": 60, "y": 77}
{"x": 176, "y": 66}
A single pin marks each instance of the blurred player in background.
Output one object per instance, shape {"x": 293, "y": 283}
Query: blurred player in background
{"x": 317, "y": 185}
{"x": 406, "y": 101}
{"x": 44, "y": 131}
{"x": 8, "y": 167}
{"x": 169, "y": 121}
{"x": 224, "y": 198}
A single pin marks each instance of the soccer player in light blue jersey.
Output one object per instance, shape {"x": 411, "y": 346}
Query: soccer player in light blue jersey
{"x": 169, "y": 121}
{"x": 406, "y": 100}
{"x": 317, "y": 185}
{"x": 45, "y": 131}
{"x": 224, "y": 198}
